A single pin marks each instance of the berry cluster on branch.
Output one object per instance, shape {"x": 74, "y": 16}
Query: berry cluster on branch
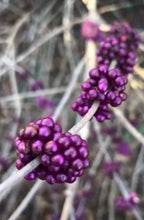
{"x": 105, "y": 85}
{"x": 120, "y": 46}
{"x": 63, "y": 156}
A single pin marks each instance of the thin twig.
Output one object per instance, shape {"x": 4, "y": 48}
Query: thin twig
{"x": 26, "y": 201}
{"x": 13, "y": 180}
{"x": 70, "y": 193}
{"x": 14, "y": 88}
{"x": 84, "y": 132}
{"x": 16, "y": 177}
{"x": 137, "y": 169}
{"x": 117, "y": 179}
{"x": 132, "y": 130}
{"x": 69, "y": 90}
{"x": 67, "y": 36}
{"x": 102, "y": 197}
{"x": 115, "y": 7}
{"x": 111, "y": 201}
{"x": 39, "y": 43}
{"x": 31, "y": 94}
{"x": 84, "y": 120}
{"x": 56, "y": 115}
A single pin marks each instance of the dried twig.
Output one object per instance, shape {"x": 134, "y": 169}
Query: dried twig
{"x": 132, "y": 130}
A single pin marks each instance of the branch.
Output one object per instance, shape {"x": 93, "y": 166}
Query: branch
{"x": 132, "y": 130}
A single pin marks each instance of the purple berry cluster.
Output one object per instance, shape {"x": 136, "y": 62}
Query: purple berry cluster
{"x": 120, "y": 46}
{"x": 63, "y": 156}
{"x": 90, "y": 30}
{"x": 123, "y": 149}
{"x": 36, "y": 85}
{"x": 129, "y": 203}
{"x": 125, "y": 32}
{"x": 44, "y": 103}
{"x": 106, "y": 87}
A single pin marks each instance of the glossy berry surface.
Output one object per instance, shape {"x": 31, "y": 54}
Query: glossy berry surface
{"x": 103, "y": 86}
{"x": 63, "y": 156}
{"x": 120, "y": 46}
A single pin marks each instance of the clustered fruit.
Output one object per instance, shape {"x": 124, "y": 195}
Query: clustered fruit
{"x": 90, "y": 30}
{"x": 105, "y": 85}
{"x": 63, "y": 156}
{"x": 119, "y": 46}
{"x": 124, "y": 204}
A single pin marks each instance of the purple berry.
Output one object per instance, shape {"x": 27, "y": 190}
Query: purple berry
{"x": 37, "y": 147}
{"x": 30, "y": 176}
{"x": 83, "y": 153}
{"x": 70, "y": 153}
{"x": 90, "y": 30}
{"x": 37, "y": 85}
{"x": 48, "y": 122}
{"x": 102, "y": 85}
{"x": 77, "y": 164}
{"x": 94, "y": 74}
{"x": 76, "y": 140}
{"x": 86, "y": 86}
{"x": 57, "y": 160}
{"x": 64, "y": 142}
{"x": 59, "y": 153}
{"x": 50, "y": 179}
{"x": 25, "y": 158}
{"x": 71, "y": 179}
{"x": 51, "y": 147}
{"x": 19, "y": 164}
{"x": 92, "y": 94}
{"x": 53, "y": 168}
{"x": 30, "y": 132}
{"x": 86, "y": 163}
{"x": 57, "y": 128}
{"x": 61, "y": 178}
{"x": 45, "y": 159}
{"x": 23, "y": 147}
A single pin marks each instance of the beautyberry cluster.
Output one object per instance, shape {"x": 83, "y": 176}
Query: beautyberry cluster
{"x": 36, "y": 85}
{"x": 63, "y": 156}
{"x": 90, "y": 30}
{"x": 120, "y": 46}
{"x": 126, "y": 33}
{"x": 129, "y": 203}
{"x": 104, "y": 86}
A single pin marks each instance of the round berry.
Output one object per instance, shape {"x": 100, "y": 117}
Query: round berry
{"x": 44, "y": 133}
{"x": 77, "y": 164}
{"x": 30, "y": 132}
{"x": 30, "y": 176}
{"x": 51, "y": 147}
{"x": 37, "y": 147}
{"x": 57, "y": 160}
